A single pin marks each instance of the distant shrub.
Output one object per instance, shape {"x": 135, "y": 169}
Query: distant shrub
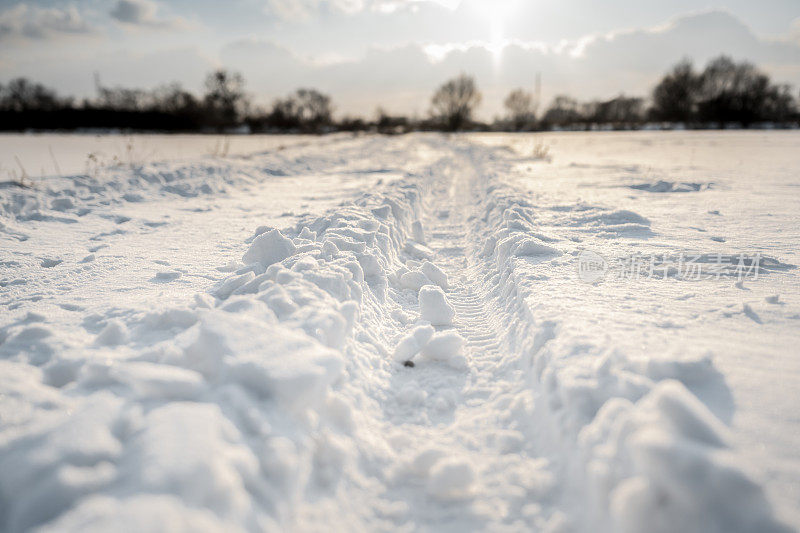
{"x": 454, "y": 102}
{"x": 521, "y": 108}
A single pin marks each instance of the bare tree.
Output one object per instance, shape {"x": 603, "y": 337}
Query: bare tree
{"x": 622, "y": 111}
{"x": 562, "y": 112}
{"x": 225, "y": 98}
{"x": 779, "y": 105}
{"x": 732, "y": 92}
{"x": 386, "y": 123}
{"x": 305, "y": 109}
{"x": 314, "y": 109}
{"x": 22, "y": 94}
{"x": 173, "y": 98}
{"x": 454, "y": 102}
{"x": 284, "y": 114}
{"x": 675, "y": 97}
{"x": 521, "y": 108}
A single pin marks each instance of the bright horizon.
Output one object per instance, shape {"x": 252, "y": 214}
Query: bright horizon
{"x": 390, "y": 53}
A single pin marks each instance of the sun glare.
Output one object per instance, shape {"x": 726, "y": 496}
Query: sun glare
{"x": 495, "y": 14}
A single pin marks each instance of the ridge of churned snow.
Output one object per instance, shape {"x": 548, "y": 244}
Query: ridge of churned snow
{"x": 379, "y": 366}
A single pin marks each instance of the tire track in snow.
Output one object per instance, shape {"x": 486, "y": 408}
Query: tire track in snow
{"x": 477, "y": 464}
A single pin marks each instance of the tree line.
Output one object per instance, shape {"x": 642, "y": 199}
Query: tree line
{"x": 725, "y": 93}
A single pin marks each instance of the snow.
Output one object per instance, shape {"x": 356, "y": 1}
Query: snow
{"x": 414, "y": 280}
{"x": 445, "y": 346}
{"x": 414, "y": 341}
{"x": 417, "y": 232}
{"x": 46, "y": 154}
{"x": 435, "y": 274}
{"x": 383, "y": 333}
{"x": 269, "y": 248}
{"x": 451, "y": 478}
{"x": 434, "y": 307}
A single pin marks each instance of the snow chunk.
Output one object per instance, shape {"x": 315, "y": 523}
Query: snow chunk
{"x": 509, "y": 441}
{"x": 662, "y": 186}
{"x": 622, "y": 216}
{"x": 50, "y": 263}
{"x": 307, "y": 234}
{"x": 451, "y": 478}
{"x": 412, "y": 343}
{"x": 171, "y": 318}
{"x": 329, "y": 248}
{"x": 444, "y": 346}
{"x": 697, "y": 369}
{"x": 61, "y": 204}
{"x": 411, "y": 394}
{"x": 250, "y": 351}
{"x": 434, "y": 307}
{"x": 151, "y": 381}
{"x": 212, "y": 472}
{"x": 687, "y": 415}
{"x": 269, "y": 248}
{"x": 145, "y": 512}
{"x": 435, "y": 274}
{"x": 382, "y": 212}
{"x": 530, "y": 247}
{"x": 370, "y": 265}
{"x": 418, "y": 250}
{"x": 425, "y": 460}
{"x": 414, "y": 280}
{"x": 231, "y": 284}
{"x": 417, "y": 232}
{"x": 113, "y": 334}
{"x": 166, "y": 276}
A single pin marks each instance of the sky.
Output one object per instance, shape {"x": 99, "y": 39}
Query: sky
{"x": 391, "y": 53}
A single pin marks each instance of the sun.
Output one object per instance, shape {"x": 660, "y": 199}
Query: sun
{"x": 495, "y": 14}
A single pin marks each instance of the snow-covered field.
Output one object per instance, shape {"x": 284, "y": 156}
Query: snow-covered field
{"x": 547, "y": 332}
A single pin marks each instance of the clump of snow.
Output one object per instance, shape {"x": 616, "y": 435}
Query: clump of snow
{"x": 417, "y": 250}
{"x": 62, "y": 204}
{"x": 231, "y": 284}
{"x": 530, "y": 247}
{"x": 434, "y": 307}
{"x": 414, "y": 280}
{"x": 268, "y": 248}
{"x": 662, "y": 472}
{"x": 167, "y": 275}
{"x": 424, "y": 461}
{"x": 451, "y": 478}
{"x": 112, "y": 334}
{"x": 663, "y": 186}
{"x": 444, "y": 346}
{"x": 417, "y": 232}
{"x": 411, "y": 344}
{"x": 435, "y": 274}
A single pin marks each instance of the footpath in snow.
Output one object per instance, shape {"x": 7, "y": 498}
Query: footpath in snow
{"x": 405, "y": 358}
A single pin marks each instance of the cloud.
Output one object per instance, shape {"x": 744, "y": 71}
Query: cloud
{"x": 795, "y": 30}
{"x": 299, "y": 10}
{"x": 699, "y": 36}
{"x": 402, "y": 78}
{"x": 30, "y": 22}
{"x": 74, "y": 73}
{"x": 143, "y": 13}
{"x": 598, "y": 66}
